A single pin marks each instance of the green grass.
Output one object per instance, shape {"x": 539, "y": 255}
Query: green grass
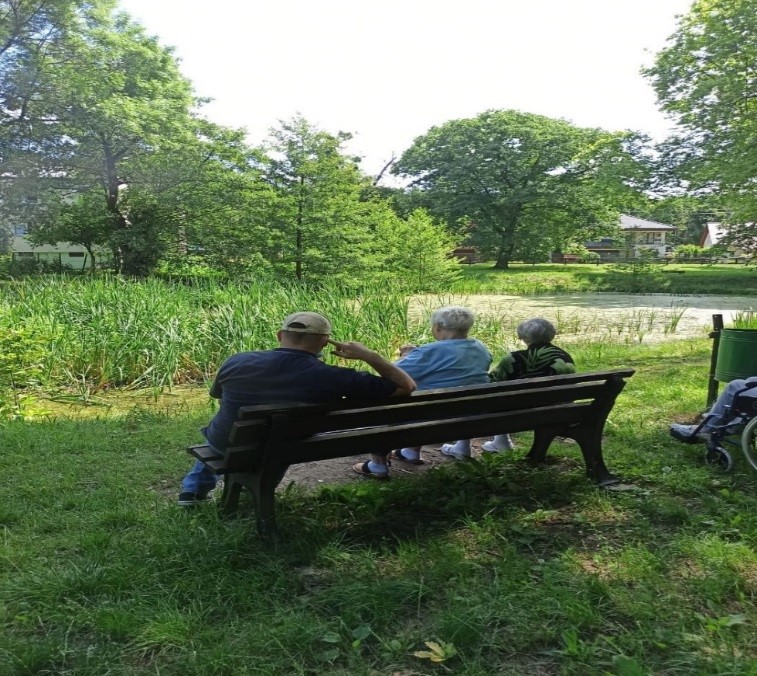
{"x": 512, "y": 570}
{"x": 543, "y": 278}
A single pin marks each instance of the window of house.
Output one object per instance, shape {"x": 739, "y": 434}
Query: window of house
{"x": 649, "y": 238}
{"x": 25, "y": 254}
{"x": 76, "y": 254}
{"x": 19, "y": 230}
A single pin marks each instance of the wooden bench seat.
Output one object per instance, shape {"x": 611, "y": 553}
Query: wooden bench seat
{"x": 266, "y": 440}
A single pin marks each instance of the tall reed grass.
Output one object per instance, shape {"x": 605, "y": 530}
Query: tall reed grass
{"x": 110, "y": 332}
{"x": 745, "y": 320}
{"x": 105, "y": 332}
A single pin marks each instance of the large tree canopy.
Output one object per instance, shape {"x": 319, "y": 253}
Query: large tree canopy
{"x": 102, "y": 146}
{"x": 706, "y": 79}
{"x": 525, "y": 183}
{"x": 88, "y": 96}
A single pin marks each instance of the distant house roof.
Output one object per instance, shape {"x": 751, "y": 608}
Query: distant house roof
{"x": 634, "y": 223}
{"x": 714, "y": 233}
{"x": 711, "y": 235}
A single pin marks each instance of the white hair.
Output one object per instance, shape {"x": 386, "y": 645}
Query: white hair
{"x": 453, "y": 318}
{"x": 536, "y": 331}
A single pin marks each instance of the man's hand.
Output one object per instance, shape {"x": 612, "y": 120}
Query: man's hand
{"x": 353, "y": 350}
{"x": 350, "y": 350}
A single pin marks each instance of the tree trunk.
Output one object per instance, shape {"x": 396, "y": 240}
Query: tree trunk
{"x": 503, "y": 262}
{"x": 125, "y": 257}
{"x": 298, "y": 243}
{"x": 506, "y": 242}
{"x": 91, "y": 253}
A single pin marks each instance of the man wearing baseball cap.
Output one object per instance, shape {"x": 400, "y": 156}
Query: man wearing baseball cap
{"x": 291, "y": 373}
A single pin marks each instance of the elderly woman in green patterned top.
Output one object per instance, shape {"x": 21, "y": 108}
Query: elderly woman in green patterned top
{"x": 540, "y": 358}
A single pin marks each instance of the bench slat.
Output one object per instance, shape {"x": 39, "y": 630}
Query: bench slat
{"x": 308, "y": 420}
{"x": 396, "y": 414}
{"x": 204, "y": 453}
{"x": 384, "y": 439}
{"x": 263, "y": 411}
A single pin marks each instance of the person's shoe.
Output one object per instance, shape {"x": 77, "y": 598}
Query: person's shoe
{"x": 398, "y": 455}
{"x": 449, "y": 449}
{"x": 491, "y": 447}
{"x": 363, "y": 468}
{"x": 192, "y": 498}
{"x": 688, "y": 433}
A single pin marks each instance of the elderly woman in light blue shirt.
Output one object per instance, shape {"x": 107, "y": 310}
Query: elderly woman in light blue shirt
{"x": 451, "y": 360}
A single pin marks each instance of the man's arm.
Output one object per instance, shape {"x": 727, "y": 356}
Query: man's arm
{"x": 353, "y": 350}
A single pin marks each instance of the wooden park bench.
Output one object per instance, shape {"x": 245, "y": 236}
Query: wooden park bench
{"x": 266, "y": 440}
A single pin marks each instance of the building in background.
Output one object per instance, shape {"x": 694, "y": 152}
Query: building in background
{"x": 63, "y": 254}
{"x": 713, "y": 234}
{"x": 643, "y": 236}
{"x": 638, "y": 236}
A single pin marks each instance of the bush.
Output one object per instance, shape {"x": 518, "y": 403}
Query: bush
{"x": 28, "y": 266}
{"x": 638, "y": 275}
{"x": 689, "y": 251}
{"x": 21, "y": 356}
{"x": 584, "y": 255}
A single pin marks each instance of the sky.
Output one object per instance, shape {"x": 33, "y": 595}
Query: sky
{"x": 388, "y": 71}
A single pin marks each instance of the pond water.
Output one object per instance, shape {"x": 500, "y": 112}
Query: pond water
{"x": 636, "y": 317}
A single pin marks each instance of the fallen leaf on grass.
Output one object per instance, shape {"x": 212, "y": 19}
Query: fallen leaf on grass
{"x": 437, "y": 652}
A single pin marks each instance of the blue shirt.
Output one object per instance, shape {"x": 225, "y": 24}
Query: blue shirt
{"x": 283, "y": 376}
{"x": 448, "y": 363}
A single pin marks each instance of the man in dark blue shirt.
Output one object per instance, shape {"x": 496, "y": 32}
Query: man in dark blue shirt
{"x": 292, "y": 373}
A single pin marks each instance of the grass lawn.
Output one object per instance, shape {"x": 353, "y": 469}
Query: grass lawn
{"x": 503, "y": 568}
{"x": 523, "y": 278}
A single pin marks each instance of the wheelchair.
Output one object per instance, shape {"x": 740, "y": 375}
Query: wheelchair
{"x": 737, "y": 430}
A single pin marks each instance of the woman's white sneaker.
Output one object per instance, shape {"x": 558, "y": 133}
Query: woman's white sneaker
{"x": 449, "y": 449}
{"x": 505, "y": 444}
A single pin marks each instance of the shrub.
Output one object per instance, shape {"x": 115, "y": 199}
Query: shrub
{"x": 21, "y": 356}
{"x": 638, "y": 275}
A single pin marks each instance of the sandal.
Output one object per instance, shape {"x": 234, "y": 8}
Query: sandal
{"x": 397, "y": 455}
{"x": 362, "y": 468}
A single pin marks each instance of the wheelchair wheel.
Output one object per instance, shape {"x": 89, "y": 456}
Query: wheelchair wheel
{"x": 749, "y": 442}
{"x": 717, "y": 456}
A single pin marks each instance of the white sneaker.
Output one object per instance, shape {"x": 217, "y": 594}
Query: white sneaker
{"x": 490, "y": 447}
{"x": 449, "y": 449}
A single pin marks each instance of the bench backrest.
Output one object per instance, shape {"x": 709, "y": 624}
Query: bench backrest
{"x": 300, "y": 432}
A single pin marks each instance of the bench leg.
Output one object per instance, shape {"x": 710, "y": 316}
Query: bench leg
{"x": 262, "y": 487}
{"x": 542, "y": 439}
{"x": 590, "y": 441}
{"x": 232, "y": 487}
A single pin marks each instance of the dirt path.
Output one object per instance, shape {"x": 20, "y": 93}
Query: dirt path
{"x": 339, "y": 470}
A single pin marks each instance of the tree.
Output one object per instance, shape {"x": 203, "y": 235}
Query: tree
{"x": 205, "y": 201}
{"x": 30, "y": 32}
{"x": 742, "y": 236}
{"x": 415, "y": 251}
{"x": 321, "y": 227}
{"x": 517, "y": 176}
{"x": 89, "y": 105}
{"x": 706, "y": 79}
{"x": 85, "y": 221}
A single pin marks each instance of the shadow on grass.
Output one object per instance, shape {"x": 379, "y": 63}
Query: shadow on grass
{"x": 370, "y": 514}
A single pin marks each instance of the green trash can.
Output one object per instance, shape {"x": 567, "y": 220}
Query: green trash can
{"x": 737, "y": 355}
